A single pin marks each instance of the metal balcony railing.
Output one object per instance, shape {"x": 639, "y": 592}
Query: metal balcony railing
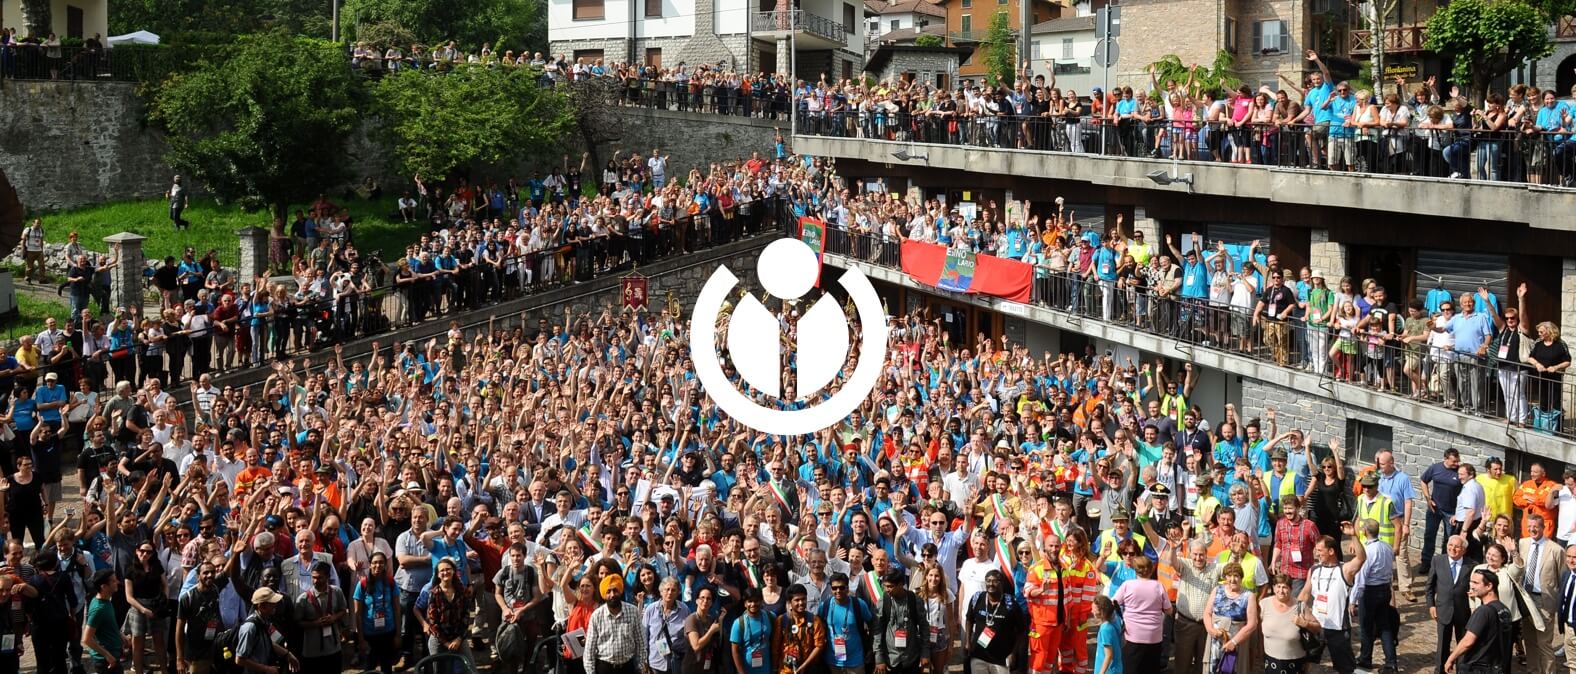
{"x": 798, "y": 19}
{"x": 1487, "y": 387}
{"x": 1522, "y": 156}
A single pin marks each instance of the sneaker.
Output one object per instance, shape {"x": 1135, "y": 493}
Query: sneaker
{"x": 1454, "y": 175}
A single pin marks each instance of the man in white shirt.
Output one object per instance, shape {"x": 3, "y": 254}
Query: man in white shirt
{"x": 658, "y": 164}
{"x": 971, "y": 576}
{"x": 1471, "y": 504}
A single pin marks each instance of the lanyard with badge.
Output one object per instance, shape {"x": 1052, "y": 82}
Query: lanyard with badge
{"x": 988, "y": 632}
{"x": 757, "y": 658}
{"x": 840, "y": 638}
{"x": 328, "y": 630}
{"x": 381, "y": 606}
{"x": 1321, "y": 596}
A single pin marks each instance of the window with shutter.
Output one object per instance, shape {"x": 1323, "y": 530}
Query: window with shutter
{"x": 654, "y": 8}
{"x": 587, "y": 10}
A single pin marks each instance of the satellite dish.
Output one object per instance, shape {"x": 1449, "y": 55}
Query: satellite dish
{"x": 11, "y": 215}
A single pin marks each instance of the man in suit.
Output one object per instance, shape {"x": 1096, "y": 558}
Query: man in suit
{"x": 1567, "y": 618}
{"x": 536, "y": 509}
{"x": 1540, "y": 556}
{"x": 1448, "y": 580}
{"x": 297, "y": 571}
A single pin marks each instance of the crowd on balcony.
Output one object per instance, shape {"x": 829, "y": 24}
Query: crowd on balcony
{"x": 1473, "y": 352}
{"x": 1522, "y": 134}
{"x": 49, "y": 56}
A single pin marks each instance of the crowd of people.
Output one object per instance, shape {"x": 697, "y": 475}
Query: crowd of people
{"x": 570, "y": 480}
{"x": 488, "y": 242}
{"x": 1522, "y": 134}
{"x": 1472, "y": 351}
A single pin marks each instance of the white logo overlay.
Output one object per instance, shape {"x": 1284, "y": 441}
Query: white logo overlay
{"x": 787, "y": 270}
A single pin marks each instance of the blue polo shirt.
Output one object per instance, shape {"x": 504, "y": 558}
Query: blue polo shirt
{"x": 1470, "y": 331}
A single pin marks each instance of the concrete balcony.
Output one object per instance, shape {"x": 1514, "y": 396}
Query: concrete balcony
{"x": 1538, "y": 206}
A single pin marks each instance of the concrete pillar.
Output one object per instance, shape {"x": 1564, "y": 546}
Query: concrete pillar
{"x": 1328, "y": 257}
{"x": 254, "y": 254}
{"x": 125, "y": 285}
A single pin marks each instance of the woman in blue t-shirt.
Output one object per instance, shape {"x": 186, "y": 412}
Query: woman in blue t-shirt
{"x": 1108, "y": 645}
{"x": 377, "y": 612}
{"x": 23, "y": 416}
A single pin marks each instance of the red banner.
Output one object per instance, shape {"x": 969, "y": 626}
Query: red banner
{"x": 995, "y": 276}
{"x": 813, "y": 233}
{"x": 634, "y": 291}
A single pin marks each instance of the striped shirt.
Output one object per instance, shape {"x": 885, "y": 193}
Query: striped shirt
{"x": 614, "y": 639}
{"x": 1194, "y": 589}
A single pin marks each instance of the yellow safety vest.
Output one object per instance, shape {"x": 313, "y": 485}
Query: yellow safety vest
{"x": 1108, "y": 537}
{"x": 1250, "y": 569}
{"x": 1379, "y": 511}
{"x": 1288, "y": 487}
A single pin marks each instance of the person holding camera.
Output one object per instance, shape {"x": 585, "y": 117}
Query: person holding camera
{"x": 1485, "y": 648}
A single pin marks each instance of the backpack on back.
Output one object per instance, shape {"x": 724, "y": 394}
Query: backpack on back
{"x": 226, "y": 647}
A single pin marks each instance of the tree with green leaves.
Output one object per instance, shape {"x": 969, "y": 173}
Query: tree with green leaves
{"x": 436, "y": 125}
{"x": 1221, "y": 74}
{"x": 1001, "y": 51}
{"x": 929, "y": 40}
{"x": 182, "y": 20}
{"x": 266, "y": 125}
{"x": 520, "y": 25}
{"x": 1488, "y": 38}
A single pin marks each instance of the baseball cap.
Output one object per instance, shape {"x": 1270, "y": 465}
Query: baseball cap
{"x": 265, "y": 595}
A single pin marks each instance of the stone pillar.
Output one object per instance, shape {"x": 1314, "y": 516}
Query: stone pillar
{"x": 125, "y": 285}
{"x": 785, "y": 58}
{"x": 1141, "y": 222}
{"x": 1328, "y": 257}
{"x": 254, "y": 254}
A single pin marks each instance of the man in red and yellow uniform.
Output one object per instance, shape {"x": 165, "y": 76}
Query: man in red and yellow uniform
{"x": 1044, "y": 591}
{"x": 1080, "y": 584}
{"x": 1537, "y": 496}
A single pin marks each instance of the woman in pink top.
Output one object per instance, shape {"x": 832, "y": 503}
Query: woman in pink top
{"x": 1241, "y": 141}
{"x": 1145, "y": 606}
{"x": 1182, "y": 116}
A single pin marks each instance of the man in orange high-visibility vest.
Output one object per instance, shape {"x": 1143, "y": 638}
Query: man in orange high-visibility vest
{"x": 1044, "y": 591}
